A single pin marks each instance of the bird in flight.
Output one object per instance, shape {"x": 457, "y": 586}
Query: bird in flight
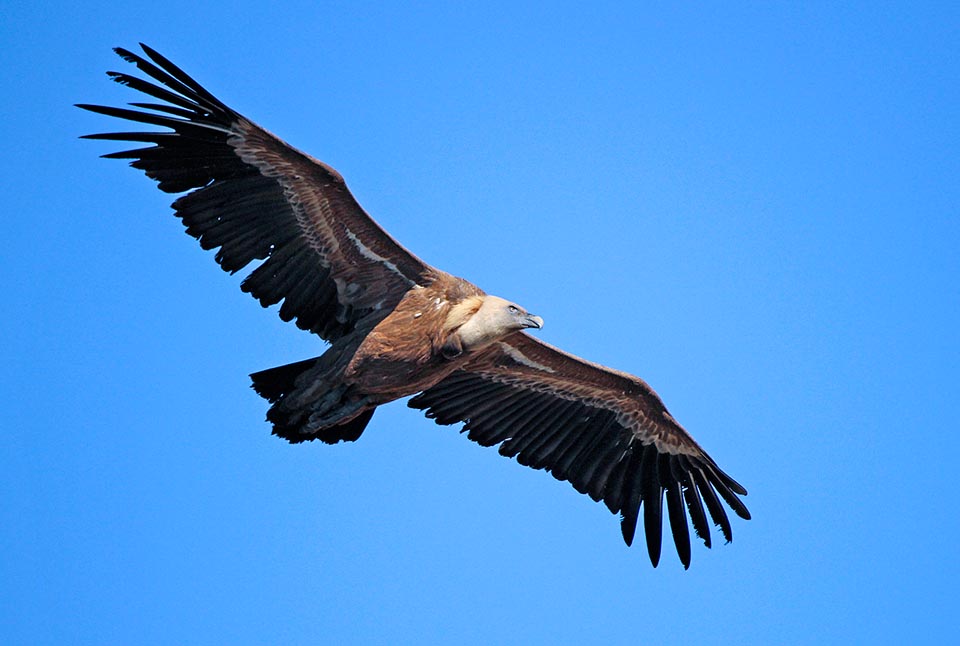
{"x": 399, "y": 327}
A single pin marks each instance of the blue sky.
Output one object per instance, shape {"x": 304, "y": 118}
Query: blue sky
{"x": 754, "y": 208}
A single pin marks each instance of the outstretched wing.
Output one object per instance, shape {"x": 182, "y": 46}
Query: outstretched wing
{"x": 256, "y": 198}
{"x": 606, "y": 432}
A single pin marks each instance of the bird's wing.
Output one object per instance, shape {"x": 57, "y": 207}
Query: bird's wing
{"x": 604, "y": 431}
{"x": 254, "y": 197}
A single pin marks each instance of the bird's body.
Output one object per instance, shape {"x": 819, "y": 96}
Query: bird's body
{"x": 399, "y": 327}
{"x": 433, "y": 331}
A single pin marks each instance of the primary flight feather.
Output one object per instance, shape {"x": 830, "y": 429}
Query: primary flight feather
{"x": 399, "y": 327}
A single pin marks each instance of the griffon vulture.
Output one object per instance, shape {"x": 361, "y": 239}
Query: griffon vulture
{"x": 399, "y": 327}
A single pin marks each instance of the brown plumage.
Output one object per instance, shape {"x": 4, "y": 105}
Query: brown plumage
{"x": 399, "y": 327}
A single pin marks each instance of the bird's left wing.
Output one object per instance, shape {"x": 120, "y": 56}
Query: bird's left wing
{"x": 604, "y": 431}
{"x": 255, "y": 197}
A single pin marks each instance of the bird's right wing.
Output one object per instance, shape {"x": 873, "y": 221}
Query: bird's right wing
{"x": 257, "y": 198}
{"x": 604, "y": 431}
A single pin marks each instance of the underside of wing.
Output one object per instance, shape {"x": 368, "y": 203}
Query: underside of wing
{"x": 605, "y": 432}
{"x": 253, "y": 197}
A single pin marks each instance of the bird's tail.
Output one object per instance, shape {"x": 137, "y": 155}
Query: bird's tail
{"x": 302, "y": 411}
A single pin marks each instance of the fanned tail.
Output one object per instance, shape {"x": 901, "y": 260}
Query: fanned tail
{"x": 301, "y": 412}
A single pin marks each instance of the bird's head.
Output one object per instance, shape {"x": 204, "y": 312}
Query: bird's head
{"x": 495, "y": 319}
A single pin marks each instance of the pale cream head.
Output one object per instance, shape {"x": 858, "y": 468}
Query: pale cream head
{"x": 495, "y": 319}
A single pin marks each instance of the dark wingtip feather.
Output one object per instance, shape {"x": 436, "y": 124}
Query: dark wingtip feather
{"x": 678, "y": 525}
{"x": 737, "y": 506}
{"x": 628, "y": 527}
{"x": 126, "y": 54}
{"x": 652, "y": 504}
{"x": 732, "y": 484}
{"x": 628, "y": 495}
{"x": 653, "y": 550}
{"x": 717, "y": 513}
{"x": 132, "y": 115}
{"x": 701, "y": 527}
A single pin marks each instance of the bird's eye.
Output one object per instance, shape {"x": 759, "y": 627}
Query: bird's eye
{"x": 514, "y": 309}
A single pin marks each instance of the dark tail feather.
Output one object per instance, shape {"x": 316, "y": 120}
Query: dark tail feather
{"x": 346, "y": 432}
{"x": 290, "y": 422}
{"x": 274, "y": 383}
{"x": 291, "y": 427}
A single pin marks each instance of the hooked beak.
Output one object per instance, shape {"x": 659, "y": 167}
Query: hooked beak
{"x": 532, "y": 321}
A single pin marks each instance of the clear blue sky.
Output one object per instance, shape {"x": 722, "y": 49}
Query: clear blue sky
{"x": 756, "y": 209}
